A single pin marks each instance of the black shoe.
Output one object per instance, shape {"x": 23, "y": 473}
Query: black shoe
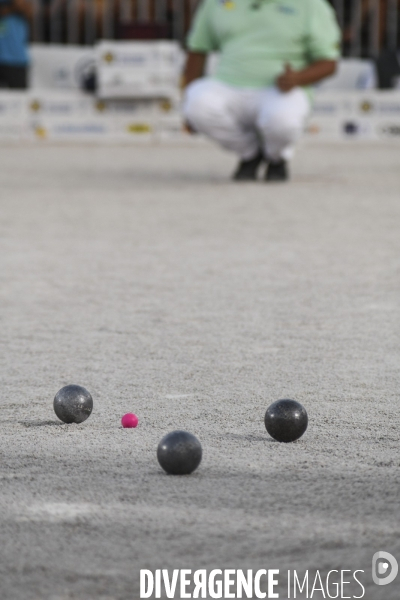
{"x": 277, "y": 171}
{"x": 248, "y": 169}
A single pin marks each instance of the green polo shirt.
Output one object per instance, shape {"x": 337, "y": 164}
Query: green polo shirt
{"x": 256, "y": 38}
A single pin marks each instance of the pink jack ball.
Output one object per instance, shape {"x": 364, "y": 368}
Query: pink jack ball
{"x": 129, "y": 421}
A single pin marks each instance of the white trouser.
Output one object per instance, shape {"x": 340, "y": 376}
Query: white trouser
{"x": 245, "y": 120}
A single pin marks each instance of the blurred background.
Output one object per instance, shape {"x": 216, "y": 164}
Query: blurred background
{"x": 134, "y": 50}
{"x": 369, "y": 26}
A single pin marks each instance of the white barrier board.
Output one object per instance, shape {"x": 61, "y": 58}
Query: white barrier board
{"x": 138, "y": 69}
{"x": 56, "y": 67}
{"x": 368, "y": 115}
{"x": 44, "y": 114}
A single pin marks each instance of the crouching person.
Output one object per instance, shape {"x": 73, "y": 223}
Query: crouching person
{"x": 257, "y": 102}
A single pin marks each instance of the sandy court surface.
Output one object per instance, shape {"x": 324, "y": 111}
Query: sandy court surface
{"x": 143, "y": 274}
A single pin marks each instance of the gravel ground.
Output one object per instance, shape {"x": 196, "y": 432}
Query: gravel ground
{"x": 143, "y": 274}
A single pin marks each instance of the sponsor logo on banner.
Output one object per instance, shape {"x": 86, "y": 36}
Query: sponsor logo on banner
{"x": 351, "y": 128}
{"x": 48, "y": 130}
{"x": 59, "y": 106}
{"x": 390, "y": 130}
{"x": 35, "y": 106}
{"x": 326, "y": 107}
{"x": 139, "y": 128}
{"x": 389, "y": 107}
{"x": 313, "y": 128}
{"x": 357, "y": 128}
{"x": 366, "y": 106}
{"x": 40, "y": 132}
{"x": 126, "y": 58}
{"x": 380, "y": 105}
{"x": 166, "y": 105}
{"x": 101, "y": 106}
{"x": 84, "y": 128}
{"x": 126, "y": 107}
{"x": 108, "y": 57}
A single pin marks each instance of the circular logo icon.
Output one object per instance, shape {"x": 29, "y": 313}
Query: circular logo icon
{"x": 366, "y": 106}
{"x": 385, "y": 568}
{"x": 350, "y": 128}
{"x": 108, "y": 57}
{"x": 35, "y": 105}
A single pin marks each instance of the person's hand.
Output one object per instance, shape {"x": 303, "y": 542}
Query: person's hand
{"x": 288, "y": 80}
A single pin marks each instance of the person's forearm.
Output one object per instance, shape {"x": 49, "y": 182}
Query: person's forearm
{"x": 195, "y": 67}
{"x": 311, "y": 74}
{"x": 316, "y": 72}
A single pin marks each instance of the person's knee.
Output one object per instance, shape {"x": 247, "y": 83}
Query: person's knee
{"x": 280, "y": 125}
{"x": 204, "y": 108}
